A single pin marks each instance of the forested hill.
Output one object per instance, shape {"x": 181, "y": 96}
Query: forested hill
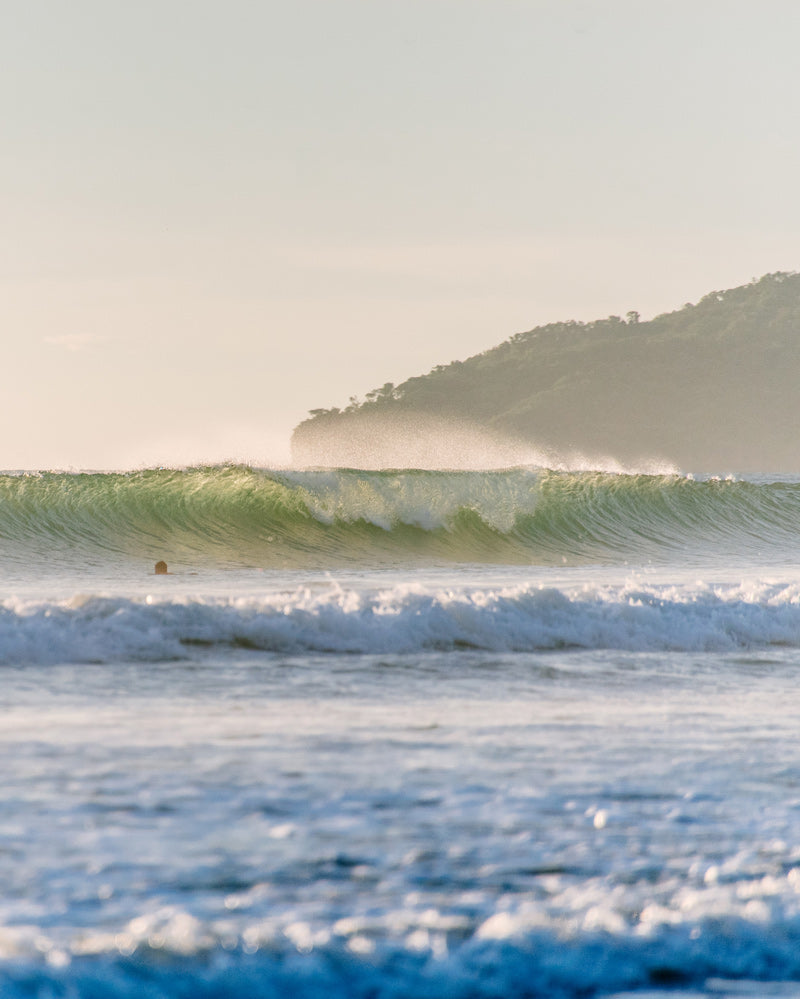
{"x": 712, "y": 387}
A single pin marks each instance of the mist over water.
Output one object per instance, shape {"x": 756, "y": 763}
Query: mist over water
{"x": 384, "y": 441}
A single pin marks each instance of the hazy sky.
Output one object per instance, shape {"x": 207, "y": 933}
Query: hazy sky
{"x": 217, "y": 215}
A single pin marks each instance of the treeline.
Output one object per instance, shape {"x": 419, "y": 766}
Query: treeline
{"x": 715, "y": 380}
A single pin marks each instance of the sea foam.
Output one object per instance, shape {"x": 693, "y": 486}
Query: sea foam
{"x": 404, "y": 618}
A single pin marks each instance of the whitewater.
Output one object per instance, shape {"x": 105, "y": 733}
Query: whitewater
{"x": 399, "y": 734}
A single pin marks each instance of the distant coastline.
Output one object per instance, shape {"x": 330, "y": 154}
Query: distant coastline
{"x": 709, "y": 387}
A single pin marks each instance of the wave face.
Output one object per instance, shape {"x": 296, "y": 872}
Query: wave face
{"x": 243, "y": 517}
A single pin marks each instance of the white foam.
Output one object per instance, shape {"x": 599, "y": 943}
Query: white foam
{"x": 418, "y": 500}
{"x": 405, "y": 618}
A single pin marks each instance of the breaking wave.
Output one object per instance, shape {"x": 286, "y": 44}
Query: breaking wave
{"x": 332, "y": 619}
{"x": 240, "y": 516}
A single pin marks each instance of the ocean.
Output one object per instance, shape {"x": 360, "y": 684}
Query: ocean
{"x": 399, "y": 735}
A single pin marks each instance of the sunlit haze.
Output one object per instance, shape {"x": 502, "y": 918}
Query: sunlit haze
{"x": 219, "y": 216}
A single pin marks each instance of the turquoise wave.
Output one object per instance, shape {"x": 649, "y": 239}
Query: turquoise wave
{"x": 241, "y": 516}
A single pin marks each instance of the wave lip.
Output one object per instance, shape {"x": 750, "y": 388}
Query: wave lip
{"x": 401, "y": 620}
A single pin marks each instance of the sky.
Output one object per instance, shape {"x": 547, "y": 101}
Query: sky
{"x": 217, "y": 216}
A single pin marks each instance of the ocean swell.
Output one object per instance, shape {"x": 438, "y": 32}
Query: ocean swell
{"x": 238, "y": 516}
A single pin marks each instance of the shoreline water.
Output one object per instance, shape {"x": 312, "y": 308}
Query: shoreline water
{"x": 429, "y": 777}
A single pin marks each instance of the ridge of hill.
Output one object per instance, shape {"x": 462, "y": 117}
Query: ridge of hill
{"x": 711, "y": 387}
